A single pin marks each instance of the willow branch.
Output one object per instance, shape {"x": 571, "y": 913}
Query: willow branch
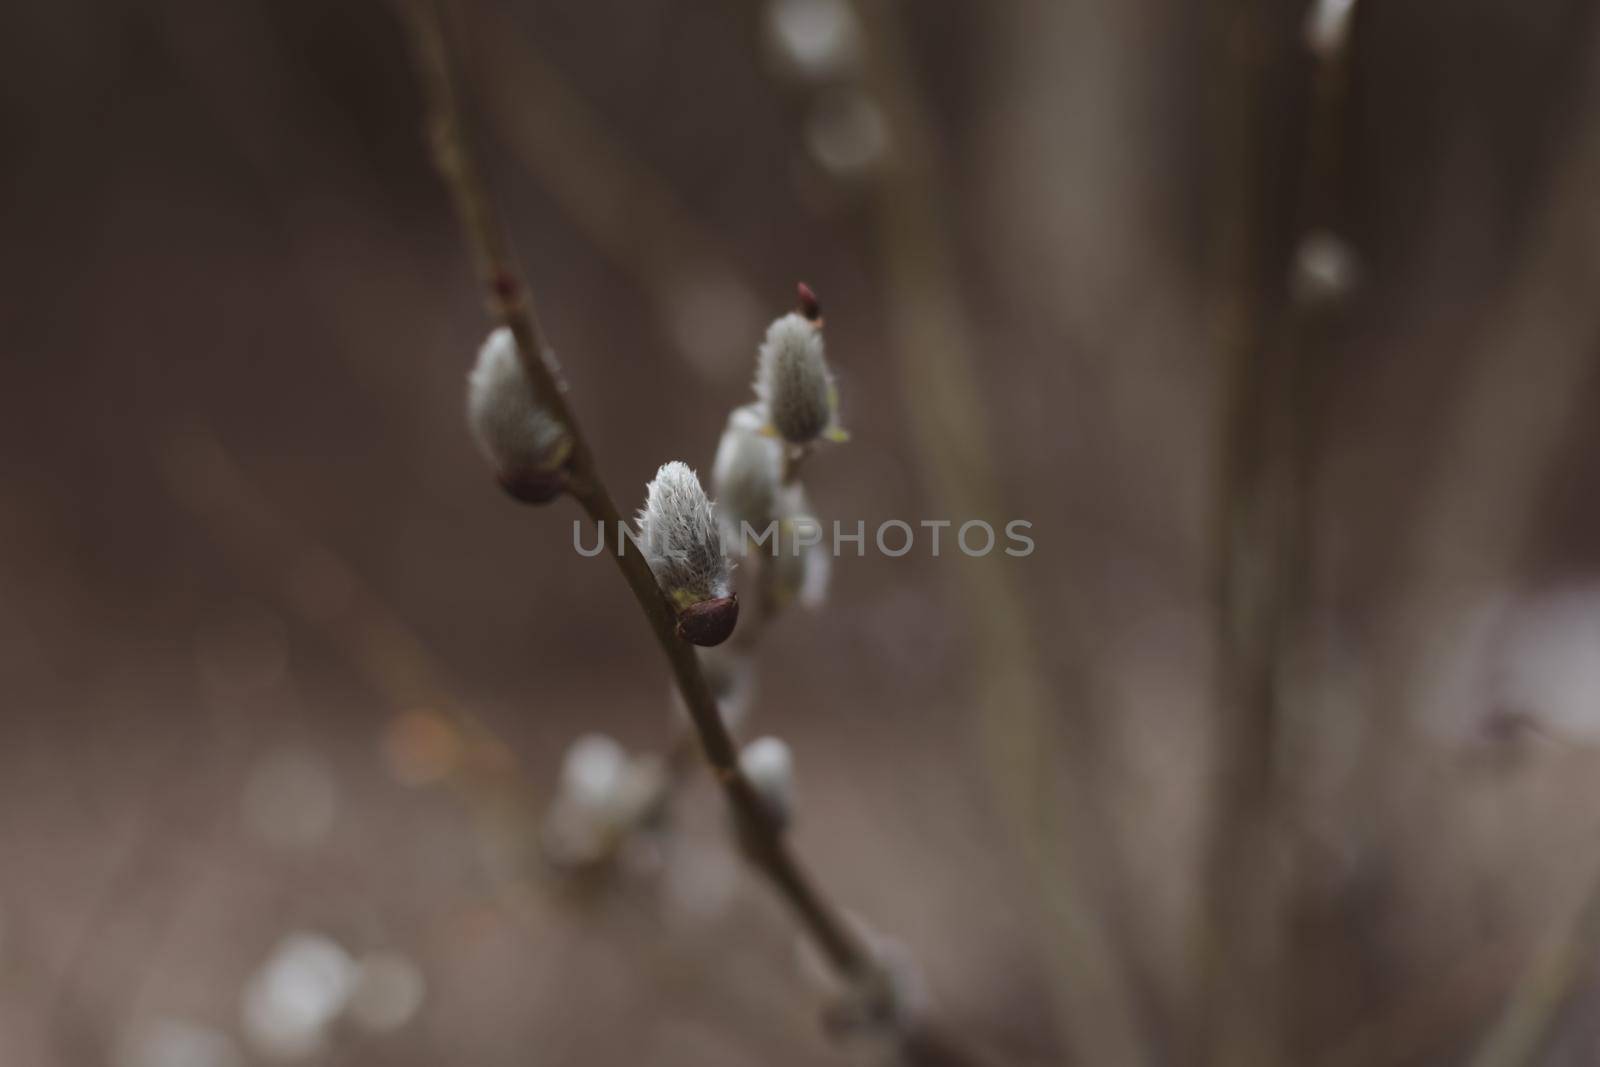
{"x": 510, "y": 305}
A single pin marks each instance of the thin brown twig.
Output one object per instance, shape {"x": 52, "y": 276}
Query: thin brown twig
{"x": 1264, "y": 529}
{"x": 1265, "y": 532}
{"x": 765, "y": 844}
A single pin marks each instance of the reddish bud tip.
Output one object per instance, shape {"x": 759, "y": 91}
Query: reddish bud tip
{"x": 535, "y": 488}
{"x": 810, "y": 306}
{"x": 505, "y": 286}
{"x": 709, "y": 622}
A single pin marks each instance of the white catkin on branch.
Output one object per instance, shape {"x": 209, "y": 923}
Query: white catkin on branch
{"x": 673, "y": 626}
{"x": 769, "y": 765}
{"x": 526, "y": 443}
{"x": 794, "y": 382}
{"x": 747, "y": 472}
{"x": 682, "y": 542}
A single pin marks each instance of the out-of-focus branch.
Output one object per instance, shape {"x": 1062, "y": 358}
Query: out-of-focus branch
{"x": 1269, "y": 361}
{"x": 1240, "y": 925}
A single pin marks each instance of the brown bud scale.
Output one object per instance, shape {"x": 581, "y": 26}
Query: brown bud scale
{"x": 709, "y": 622}
{"x": 535, "y": 487}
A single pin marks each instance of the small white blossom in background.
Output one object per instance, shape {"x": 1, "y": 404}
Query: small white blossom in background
{"x": 592, "y": 772}
{"x": 524, "y": 442}
{"x": 794, "y": 383}
{"x": 1549, "y": 667}
{"x": 731, "y": 676}
{"x": 814, "y": 38}
{"x": 604, "y": 794}
{"x": 769, "y": 766}
{"x": 747, "y": 473}
{"x": 709, "y": 314}
{"x": 1327, "y": 26}
{"x": 389, "y": 989}
{"x": 643, "y": 785}
{"x": 846, "y": 133}
{"x": 176, "y": 1043}
{"x": 289, "y": 1003}
{"x": 1325, "y": 268}
{"x": 682, "y": 541}
{"x": 291, "y": 799}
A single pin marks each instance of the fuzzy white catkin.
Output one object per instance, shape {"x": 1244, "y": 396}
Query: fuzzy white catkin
{"x": 799, "y": 572}
{"x": 514, "y": 433}
{"x": 681, "y": 539}
{"x": 769, "y": 766}
{"x": 746, "y": 473}
{"x": 794, "y": 382}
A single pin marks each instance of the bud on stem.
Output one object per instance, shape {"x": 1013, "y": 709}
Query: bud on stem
{"x": 527, "y": 445}
{"x": 793, "y": 379}
{"x": 682, "y": 543}
{"x": 768, "y": 765}
{"x": 747, "y": 472}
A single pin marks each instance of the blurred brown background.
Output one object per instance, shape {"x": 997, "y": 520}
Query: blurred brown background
{"x": 278, "y": 658}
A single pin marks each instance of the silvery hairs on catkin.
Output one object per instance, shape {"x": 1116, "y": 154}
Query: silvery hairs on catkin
{"x": 680, "y": 537}
{"x": 747, "y": 472}
{"x": 794, "y": 382}
{"x": 524, "y": 442}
